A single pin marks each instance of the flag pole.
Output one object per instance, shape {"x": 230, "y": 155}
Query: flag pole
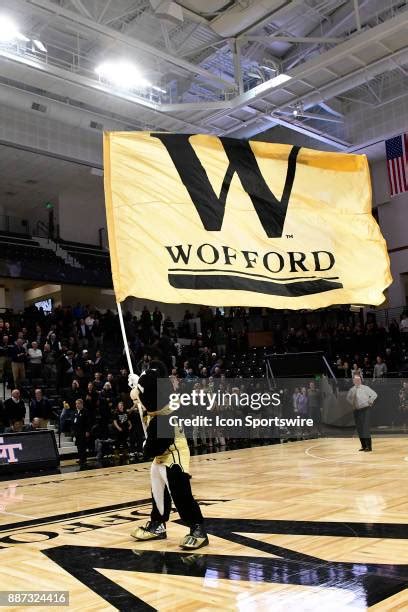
{"x": 130, "y": 365}
{"x": 125, "y": 340}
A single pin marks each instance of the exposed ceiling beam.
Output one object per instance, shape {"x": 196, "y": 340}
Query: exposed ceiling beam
{"x": 314, "y": 116}
{"x": 342, "y": 145}
{"x": 338, "y": 21}
{"x": 92, "y": 25}
{"x": 103, "y": 11}
{"x": 357, "y": 14}
{"x": 316, "y": 64}
{"x": 280, "y": 10}
{"x": 292, "y": 39}
{"x": 333, "y": 108}
{"x": 332, "y": 89}
{"x": 81, "y": 8}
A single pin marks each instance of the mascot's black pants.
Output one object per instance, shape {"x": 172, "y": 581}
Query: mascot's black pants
{"x": 173, "y": 483}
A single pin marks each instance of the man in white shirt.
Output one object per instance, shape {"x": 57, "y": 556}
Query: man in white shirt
{"x": 35, "y": 360}
{"x": 362, "y": 398}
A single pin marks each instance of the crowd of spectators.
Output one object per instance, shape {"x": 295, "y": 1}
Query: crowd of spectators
{"x": 72, "y": 361}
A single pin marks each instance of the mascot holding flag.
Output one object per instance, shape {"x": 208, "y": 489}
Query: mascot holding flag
{"x": 170, "y": 478}
{"x": 236, "y": 223}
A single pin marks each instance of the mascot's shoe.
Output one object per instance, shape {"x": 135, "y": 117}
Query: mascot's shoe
{"x": 153, "y": 530}
{"x": 195, "y": 539}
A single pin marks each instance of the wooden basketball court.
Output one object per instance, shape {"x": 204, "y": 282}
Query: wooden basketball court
{"x": 312, "y": 525}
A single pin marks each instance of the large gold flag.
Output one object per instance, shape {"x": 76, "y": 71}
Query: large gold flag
{"x": 224, "y": 222}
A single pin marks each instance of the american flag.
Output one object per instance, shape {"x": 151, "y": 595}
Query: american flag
{"x": 397, "y": 163}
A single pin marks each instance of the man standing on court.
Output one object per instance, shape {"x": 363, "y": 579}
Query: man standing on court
{"x": 361, "y": 397}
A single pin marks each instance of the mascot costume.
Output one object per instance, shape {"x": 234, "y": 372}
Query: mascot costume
{"x": 170, "y": 478}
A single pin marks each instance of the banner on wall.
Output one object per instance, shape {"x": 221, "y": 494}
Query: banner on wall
{"x": 207, "y": 220}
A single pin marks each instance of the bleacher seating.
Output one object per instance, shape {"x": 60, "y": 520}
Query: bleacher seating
{"x": 22, "y": 256}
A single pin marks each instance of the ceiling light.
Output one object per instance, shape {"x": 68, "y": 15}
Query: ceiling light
{"x": 158, "y": 89}
{"x": 40, "y": 46}
{"x": 8, "y": 30}
{"x": 279, "y": 80}
{"x": 122, "y": 74}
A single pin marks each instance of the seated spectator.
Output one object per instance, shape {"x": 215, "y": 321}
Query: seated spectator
{"x": 35, "y": 425}
{"x": 14, "y": 408}
{"x": 190, "y": 376}
{"x": 216, "y": 372}
{"x": 16, "y": 426}
{"x": 40, "y": 407}
{"x": 34, "y": 361}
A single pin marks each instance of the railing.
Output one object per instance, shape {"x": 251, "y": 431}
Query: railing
{"x": 14, "y": 225}
{"x": 11, "y": 224}
{"x": 385, "y": 316}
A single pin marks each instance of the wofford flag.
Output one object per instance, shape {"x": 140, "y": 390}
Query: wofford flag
{"x": 224, "y": 222}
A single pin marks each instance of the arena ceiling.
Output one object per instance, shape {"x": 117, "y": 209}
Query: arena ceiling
{"x": 316, "y": 69}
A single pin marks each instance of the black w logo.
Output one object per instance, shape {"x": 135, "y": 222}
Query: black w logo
{"x": 211, "y": 208}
